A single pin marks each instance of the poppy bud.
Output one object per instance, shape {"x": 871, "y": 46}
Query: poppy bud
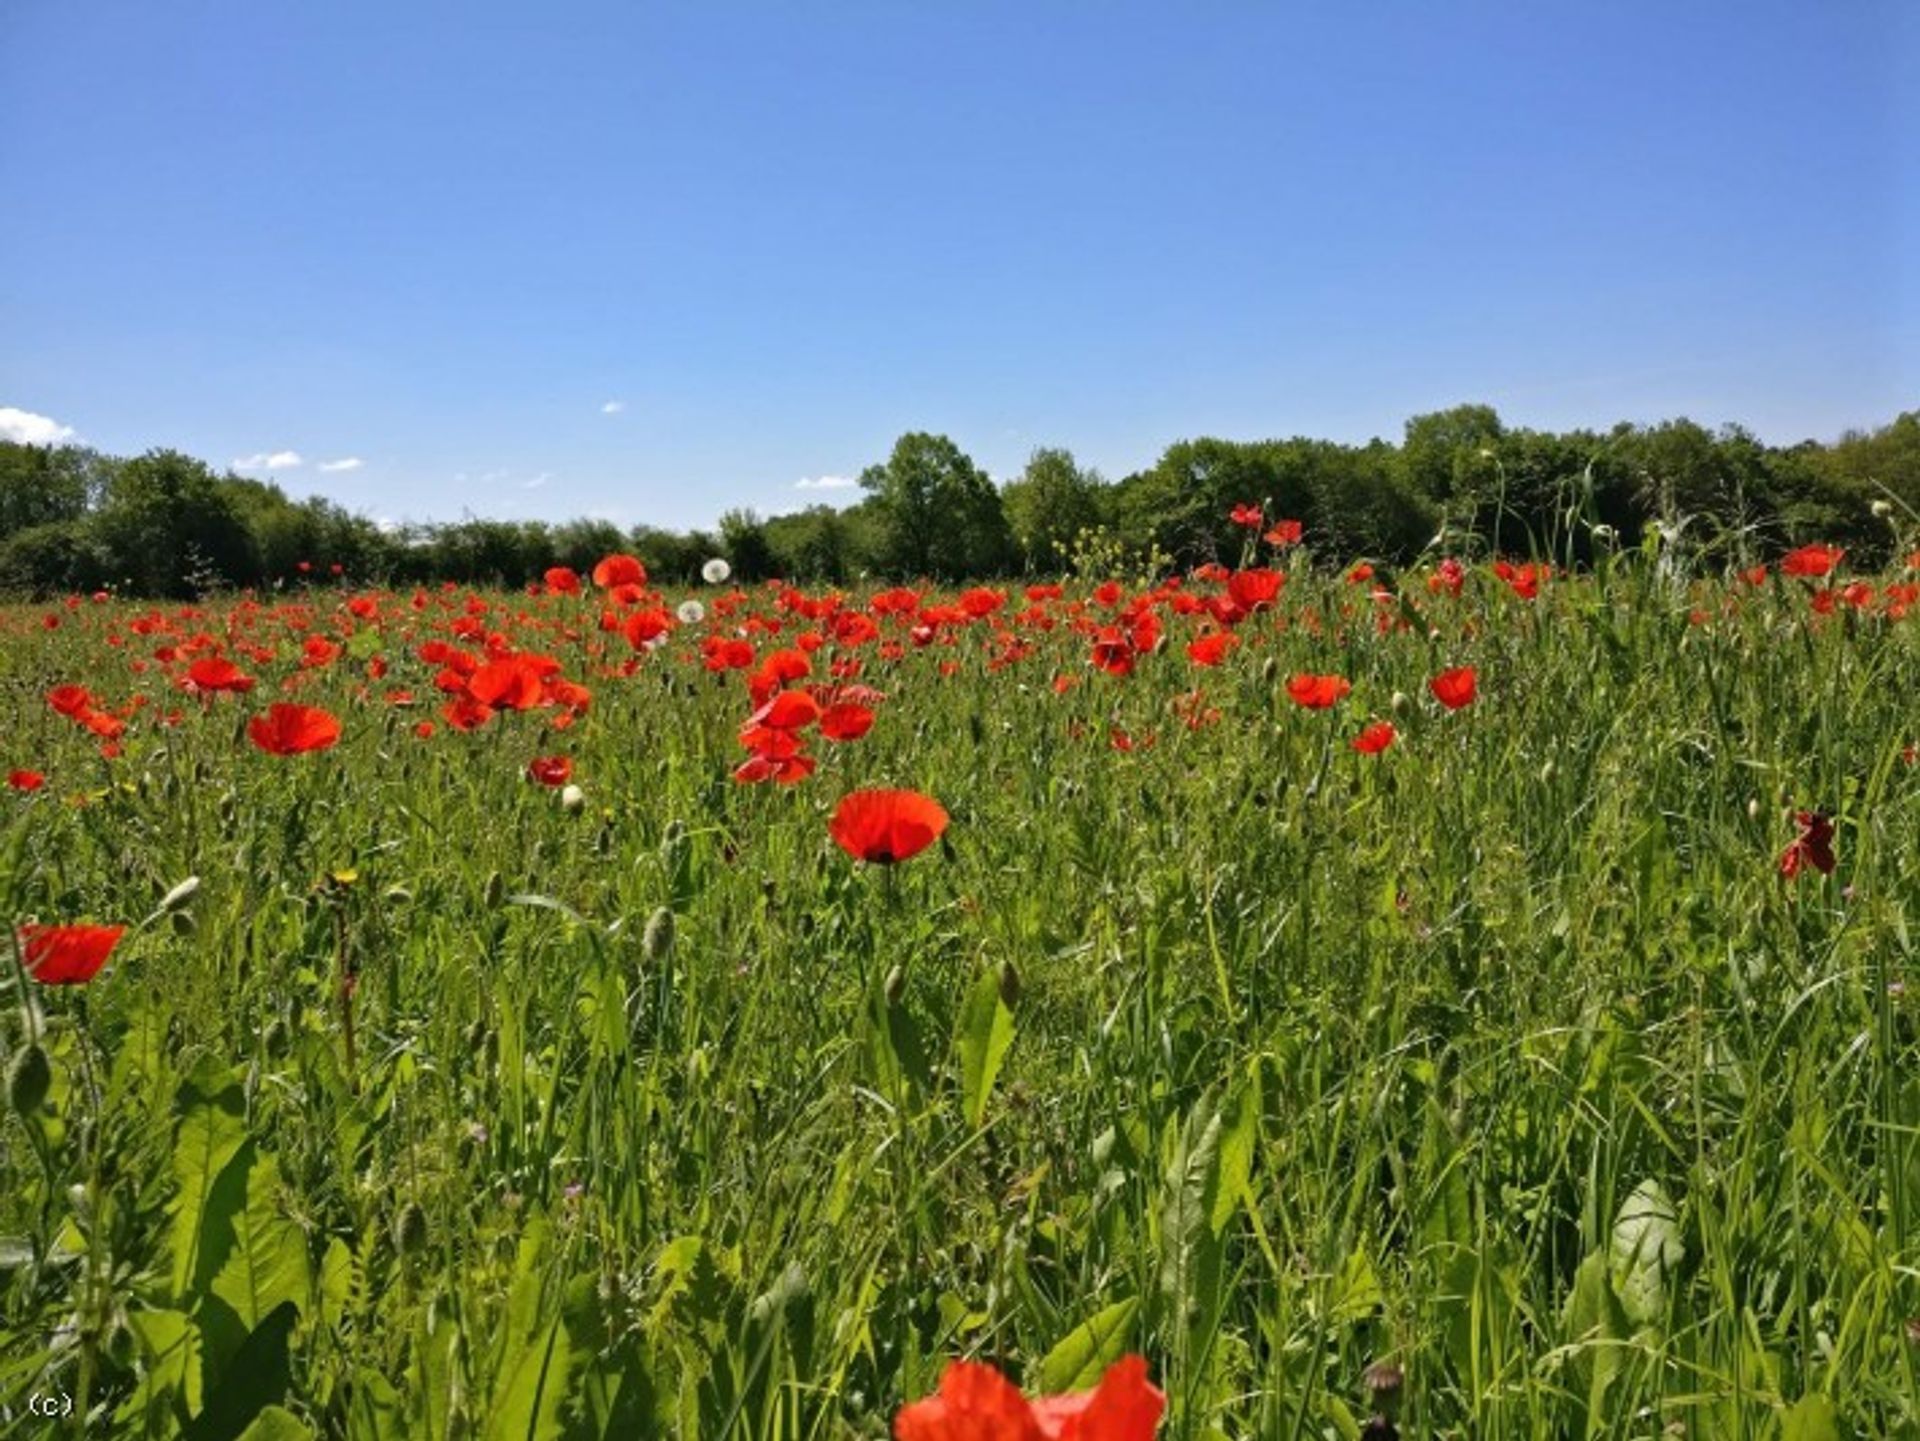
{"x": 976, "y": 728}
{"x": 399, "y": 895}
{"x": 657, "y": 939}
{"x": 181, "y": 894}
{"x": 1009, "y": 984}
{"x": 1400, "y": 702}
{"x": 1548, "y": 772}
{"x": 896, "y": 985}
{"x": 410, "y": 1230}
{"x": 603, "y": 843}
{"x": 1269, "y": 670}
{"x": 1883, "y": 509}
{"x": 28, "y": 1079}
{"x": 1753, "y": 809}
{"x": 122, "y": 1349}
{"x": 573, "y": 800}
{"x": 496, "y": 890}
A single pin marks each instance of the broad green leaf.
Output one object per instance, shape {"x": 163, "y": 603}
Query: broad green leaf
{"x": 1239, "y": 1136}
{"x": 1597, "y": 1325}
{"x": 170, "y": 1380}
{"x": 985, "y": 1033}
{"x": 258, "y": 1376}
{"x": 532, "y": 1388}
{"x": 276, "y": 1424}
{"x": 1186, "y": 1207}
{"x": 1646, "y": 1248}
{"x": 1811, "y": 1418}
{"x": 210, "y": 1134}
{"x": 267, "y": 1264}
{"x": 1086, "y": 1351}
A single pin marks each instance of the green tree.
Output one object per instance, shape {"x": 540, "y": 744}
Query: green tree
{"x": 168, "y": 525}
{"x": 942, "y": 514}
{"x": 1053, "y": 501}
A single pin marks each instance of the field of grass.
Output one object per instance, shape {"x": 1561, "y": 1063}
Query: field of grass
{"x": 455, "y": 1103}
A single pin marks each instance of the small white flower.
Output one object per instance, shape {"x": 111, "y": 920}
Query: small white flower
{"x": 1883, "y": 508}
{"x": 716, "y": 571}
{"x": 691, "y": 612}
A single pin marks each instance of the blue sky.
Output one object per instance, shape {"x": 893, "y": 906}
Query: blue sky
{"x": 652, "y": 261}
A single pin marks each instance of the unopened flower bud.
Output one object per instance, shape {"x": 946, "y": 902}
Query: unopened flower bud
{"x": 573, "y": 800}
{"x": 657, "y": 939}
{"x": 28, "y": 1079}
{"x": 1009, "y": 984}
{"x": 410, "y": 1230}
{"x": 181, "y": 894}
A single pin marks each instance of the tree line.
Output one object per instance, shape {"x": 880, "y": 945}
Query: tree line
{"x": 164, "y": 524}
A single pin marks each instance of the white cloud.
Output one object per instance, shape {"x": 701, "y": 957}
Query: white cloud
{"x": 23, "y": 427}
{"x": 825, "y": 482}
{"x": 346, "y": 462}
{"x": 539, "y": 480}
{"x": 613, "y": 407}
{"x": 269, "y": 460}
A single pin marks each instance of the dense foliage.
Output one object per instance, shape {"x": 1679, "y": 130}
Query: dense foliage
{"x": 602, "y": 1012}
{"x": 167, "y": 525}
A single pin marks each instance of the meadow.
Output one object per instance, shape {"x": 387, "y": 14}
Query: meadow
{"x": 1476, "y": 997}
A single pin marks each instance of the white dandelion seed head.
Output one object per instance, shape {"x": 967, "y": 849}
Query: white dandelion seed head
{"x": 716, "y": 571}
{"x": 691, "y": 612}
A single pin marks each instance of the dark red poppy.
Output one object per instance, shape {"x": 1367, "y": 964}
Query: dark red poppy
{"x": 884, "y": 826}
{"x": 70, "y": 700}
{"x": 562, "y": 580}
{"x": 619, "y": 570}
{"x": 845, "y": 721}
{"x": 217, "y": 673}
{"x": 1455, "y": 688}
{"x": 288, "y": 730}
{"x": 1113, "y": 651}
{"x": 1212, "y": 648}
{"x": 1811, "y": 560}
{"x": 1375, "y": 738}
{"x": 1318, "y": 692}
{"x": 464, "y": 713}
{"x": 790, "y": 710}
{"x": 976, "y": 1403}
{"x": 26, "y": 780}
{"x": 68, "y": 955}
{"x": 551, "y": 770}
{"x": 1256, "y": 588}
{"x": 1812, "y": 847}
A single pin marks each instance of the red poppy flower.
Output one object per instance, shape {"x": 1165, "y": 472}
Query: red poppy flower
{"x": 1811, "y": 560}
{"x": 787, "y": 769}
{"x": 517, "y": 683}
{"x": 884, "y": 826}
{"x": 68, "y": 955}
{"x": 1455, "y": 688}
{"x": 1285, "y": 532}
{"x": 845, "y": 721}
{"x": 1247, "y": 515}
{"x": 1113, "y": 652}
{"x": 1375, "y": 738}
{"x": 464, "y": 713}
{"x": 1449, "y": 575}
{"x": 551, "y": 770}
{"x": 562, "y": 580}
{"x": 70, "y": 700}
{"x": 1812, "y": 847}
{"x": 790, "y": 710}
{"x": 618, "y": 570}
{"x": 216, "y": 673}
{"x": 1317, "y": 692}
{"x": 1252, "y": 589}
{"x": 976, "y": 1403}
{"x": 290, "y": 730}
{"x": 26, "y": 780}
{"x": 1212, "y": 648}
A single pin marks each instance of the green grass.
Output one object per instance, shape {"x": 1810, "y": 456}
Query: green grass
{"x": 1507, "y": 1055}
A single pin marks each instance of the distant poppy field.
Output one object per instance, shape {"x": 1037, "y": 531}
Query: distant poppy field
{"x": 1273, "y": 1000}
